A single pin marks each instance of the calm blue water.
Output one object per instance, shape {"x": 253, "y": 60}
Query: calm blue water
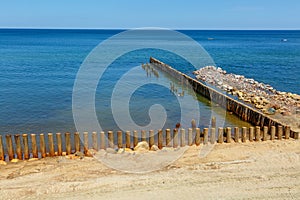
{"x": 38, "y": 69}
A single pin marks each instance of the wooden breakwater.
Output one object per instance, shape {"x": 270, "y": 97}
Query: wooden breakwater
{"x": 26, "y": 146}
{"x": 243, "y": 111}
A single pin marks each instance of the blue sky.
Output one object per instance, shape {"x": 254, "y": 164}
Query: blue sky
{"x": 174, "y": 14}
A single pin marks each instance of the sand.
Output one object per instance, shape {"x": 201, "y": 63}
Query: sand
{"x": 257, "y": 170}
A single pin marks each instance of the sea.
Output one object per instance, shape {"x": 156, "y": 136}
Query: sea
{"x": 39, "y": 68}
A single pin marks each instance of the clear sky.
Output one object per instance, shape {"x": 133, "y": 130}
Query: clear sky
{"x": 175, "y": 14}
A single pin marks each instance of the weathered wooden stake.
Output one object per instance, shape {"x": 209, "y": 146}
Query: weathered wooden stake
{"x": 160, "y": 139}
{"x": 236, "y": 134}
{"x": 244, "y": 134}
{"x": 135, "y": 138}
{"x": 34, "y": 147}
{"x": 85, "y": 143}
{"x": 220, "y": 135}
{"x": 168, "y": 138}
{"x": 205, "y": 136}
{"x": 175, "y": 138}
{"x": 111, "y": 139}
{"x": 279, "y": 133}
{"x": 127, "y": 138}
{"x": 18, "y": 146}
{"x": 9, "y": 146}
{"x": 25, "y": 144}
{"x": 182, "y": 141}
{"x": 68, "y": 143}
{"x": 102, "y": 140}
{"x": 213, "y": 122}
{"x": 151, "y": 138}
{"x": 213, "y": 135}
{"x": 77, "y": 141}
{"x": 287, "y": 132}
{"x": 144, "y": 135}
{"x": 120, "y": 139}
{"x": 273, "y": 132}
{"x": 59, "y": 144}
{"x": 2, "y": 157}
{"x": 257, "y": 134}
{"x": 197, "y": 136}
{"x": 228, "y": 134}
{"x": 265, "y": 133}
{"x": 190, "y": 137}
{"x": 251, "y": 134}
{"x": 51, "y": 145}
{"x": 95, "y": 140}
{"x": 42, "y": 145}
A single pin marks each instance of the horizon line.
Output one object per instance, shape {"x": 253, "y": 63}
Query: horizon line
{"x": 181, "y": 29}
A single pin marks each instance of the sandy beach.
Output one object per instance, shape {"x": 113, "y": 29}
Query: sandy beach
{"x": 252, "y": 170}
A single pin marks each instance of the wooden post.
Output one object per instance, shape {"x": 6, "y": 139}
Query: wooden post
{"x": 220, "y": 135}
{"x": 287, "y": 132}
{"x": 279, "y": 134}
{"x": 25, "y": 144}
{"x": 175, "y": 138}
{"x": 251, "y": 134}
{"x": 160, "y": 139}
{"x": 190, "y": 137}
{"x": 213, "y": 122}
{"x": 68, "y": 143}
{"x": 77, "y": 141}
{"x": 244, "y": 134}
{"x": 42, "y": 145}
{"x": 34, "y": 147}
{"x": 236, "y": 134}
{"x": 273, "y": 132}
{"x": 9, "y": 146}
{"x": 265, "y": 133}
{"x": 120, "y": 139}
{"x": 151, "y": 138}
{"x": 95, "y": 141}
{"x": 111, "y": 139}
{"x": 85, "y": 143}
{"x": 102, "y": 140}
{"x": 213, "y": 135}
{"x": 2, "y": 157}
{"x": 228, "y": 134}
{"x": 297, "y": 135}
{"x": 127, "y": 135}
{"x": 182, "y": 133}
{"x": 205, "y": 136}
{"x": 18, "y": 146}
{"x": 135, "y": 138}
{"x": 59, "y": 144}
{"x": 197, "y": 136}
{"x": 51, "y": 145}
{"x": 257, "y": 134}
{"x": 144, "y": 135}
{"x": 168, "y": 138}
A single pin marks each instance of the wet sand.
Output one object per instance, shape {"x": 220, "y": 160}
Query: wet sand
{"x": 257, "y": 170}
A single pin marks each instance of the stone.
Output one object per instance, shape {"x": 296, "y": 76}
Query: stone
{"x": 91, "y": 152}
{"x": 79, "y": 154}
{"x": 154, "y": 148}
{"x": 64, "y": 153}
{"x": 110, "y": 150}
{"x": 14, "y": 160}
{"x": 121, "y": 150}
{"x": 271, "y": 111}
{"x": 286, "y": 113}
{"x": 142, "y": 147}
{"x": 2, "y": 162}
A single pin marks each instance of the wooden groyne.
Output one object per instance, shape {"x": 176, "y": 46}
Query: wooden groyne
{"x": 27, "y": 146}
{"x": 243, "y": 111}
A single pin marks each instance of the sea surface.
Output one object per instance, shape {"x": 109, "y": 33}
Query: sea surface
{"x": 39, "y": 67}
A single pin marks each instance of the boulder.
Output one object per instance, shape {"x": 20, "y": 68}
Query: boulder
{"x": 14, "y": 160}
{"x": 154, "y": 148}
{"x": 142, "y": 147}
{"x": 2, "y": 162}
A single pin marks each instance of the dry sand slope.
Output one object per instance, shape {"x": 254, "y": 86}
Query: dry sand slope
{"x": 263, "y": 170}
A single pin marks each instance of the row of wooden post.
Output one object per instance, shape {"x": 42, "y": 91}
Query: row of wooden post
{"x": 23, "y": 151}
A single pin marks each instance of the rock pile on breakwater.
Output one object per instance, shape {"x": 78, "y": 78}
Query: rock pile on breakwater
{"x": 262, "y": 96}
